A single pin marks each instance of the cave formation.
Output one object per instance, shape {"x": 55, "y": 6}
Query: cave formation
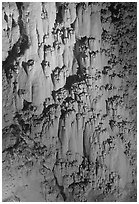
{"x": 69, "y": 101}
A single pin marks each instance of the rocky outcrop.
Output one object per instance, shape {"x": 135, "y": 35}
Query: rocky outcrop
{"x": 69, "y": 101}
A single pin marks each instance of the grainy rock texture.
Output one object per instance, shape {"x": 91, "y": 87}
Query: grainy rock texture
{"x": 69, "y": 101}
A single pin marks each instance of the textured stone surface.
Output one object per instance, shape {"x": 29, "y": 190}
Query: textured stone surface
{"x": 69, "y": 101}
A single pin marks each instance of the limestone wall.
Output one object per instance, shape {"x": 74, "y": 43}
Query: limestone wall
{"x": 69, "y": 101}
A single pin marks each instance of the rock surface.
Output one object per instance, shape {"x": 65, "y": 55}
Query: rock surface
{"x": 69, "y": 85}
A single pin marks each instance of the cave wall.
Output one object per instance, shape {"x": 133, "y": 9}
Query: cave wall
{"x": 69, "y": 101}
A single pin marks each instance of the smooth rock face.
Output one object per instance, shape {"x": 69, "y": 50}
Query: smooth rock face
{"x": 69, "y": 96}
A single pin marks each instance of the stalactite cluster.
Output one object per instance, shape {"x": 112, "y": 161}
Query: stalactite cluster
{"x": 69, "y": 85}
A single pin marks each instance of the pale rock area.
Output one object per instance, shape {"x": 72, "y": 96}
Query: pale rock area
{"x": 69, "y": 102}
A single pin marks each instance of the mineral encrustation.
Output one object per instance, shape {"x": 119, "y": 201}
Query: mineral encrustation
{"x": 69, "y": 91}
